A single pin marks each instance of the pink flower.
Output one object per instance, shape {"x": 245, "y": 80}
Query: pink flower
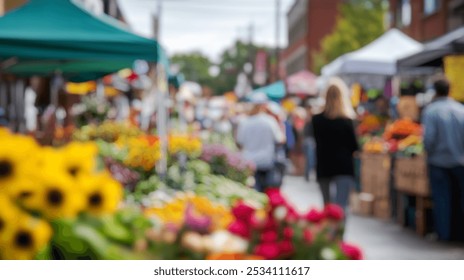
{"x": 288, "y": 233}
{"x": 314, "y": 216}
{"x": 334, "y": 212}
{"x": 351, "y": 251}
{"x": 240, "y": 228}
{"x": 286, "y": 247}
{"x": 196, "y": 222}
{"x": 268, "y": 251}
{"x": 269, "y": 236}
{"x": 275, "y": 197}
{"x": 243, "y": 212}
{"x": 308, "y": 236}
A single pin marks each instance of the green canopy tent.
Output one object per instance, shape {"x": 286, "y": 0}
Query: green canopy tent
{"x": 48, "y": 36}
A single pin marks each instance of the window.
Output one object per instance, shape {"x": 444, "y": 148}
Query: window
{"x": 431, "y": 6}
{"x": 404, "y": 13}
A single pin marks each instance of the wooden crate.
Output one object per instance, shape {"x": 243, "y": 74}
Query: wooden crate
{"x": 366, "y": 204}
{"x": 382, "y": 208}
{"x": 411, "y": 176}
{"x": 375, "y": 174}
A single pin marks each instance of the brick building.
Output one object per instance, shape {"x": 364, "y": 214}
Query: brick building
{"x": 425, "y": 20}
{"x": 309, "y": 21}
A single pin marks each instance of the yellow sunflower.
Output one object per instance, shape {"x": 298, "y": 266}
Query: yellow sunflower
{"x": 55, "y": 196}
{"x": 102, "y": 193}
{"x": 8, "y": 214}
{"x": 23, "y": 188}
{"x": 15, "y": 152}
{"x": 79, "y": 158}
{"x": 24, "y": 240}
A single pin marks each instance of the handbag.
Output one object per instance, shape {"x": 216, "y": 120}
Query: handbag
{"x": 276, "y": 175}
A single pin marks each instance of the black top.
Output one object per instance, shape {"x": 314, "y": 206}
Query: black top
{"x": 335, "y": 144}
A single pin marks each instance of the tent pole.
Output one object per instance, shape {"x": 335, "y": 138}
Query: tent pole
{"x": 20, "y": 89}
{"x": 12, "y": 106}
{"x": 162, "y": 117}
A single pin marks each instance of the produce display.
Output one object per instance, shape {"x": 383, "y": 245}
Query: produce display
{"x": 403, "y": 137}
{"x": 108, "y": 131}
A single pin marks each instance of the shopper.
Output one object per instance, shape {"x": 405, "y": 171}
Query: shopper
{"x": 258, "y": 136}
{"x": 335, "y": 145}
{"x": 443, "y": 121}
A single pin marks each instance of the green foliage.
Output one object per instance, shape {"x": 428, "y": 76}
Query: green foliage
{"x": 195, "y": 67}
{"x": 360, "y": 22}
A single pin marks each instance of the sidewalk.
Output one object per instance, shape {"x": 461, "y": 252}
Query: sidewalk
{"x": 380, "y": 240}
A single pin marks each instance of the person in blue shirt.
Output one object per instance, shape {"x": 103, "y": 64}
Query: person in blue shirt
{"x": 443, "y": 122}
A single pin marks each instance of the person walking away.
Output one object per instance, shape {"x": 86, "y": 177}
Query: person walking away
{"x": 335, "y": 145}
{"x": 443, "y": 122}
{"x": 309, "y": 145}
{"x": 257, "y": 136}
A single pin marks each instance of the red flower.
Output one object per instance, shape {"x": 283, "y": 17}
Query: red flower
{"x": 267, "y": 250}
{"x": 243, "y": 212}
{"x": 240, "y": 228}
{"x": 269, "y": 236}
{"x": 292, "y": 215}
{"x": 275, "y": 197}
{"x": 314, "y": 216}
{"x": 308, "y": 236}
{"x": 334, "y": 212}
{"x": 286, "y": 247}
{"x": 351, "y": 251}
{"x": 270, "y": 224}
{"x": 257, "y": 221}
{"x": 288, "y": 233}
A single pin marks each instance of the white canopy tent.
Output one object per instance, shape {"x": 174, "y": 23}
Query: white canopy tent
{"x": 377, "y": 58}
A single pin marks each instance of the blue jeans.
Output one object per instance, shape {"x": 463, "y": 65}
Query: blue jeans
{"x": 309, "y": 147}
{"x": 262, "y": 179}
{"x": 447, "y": 186}
{"x": 343, "y": 184}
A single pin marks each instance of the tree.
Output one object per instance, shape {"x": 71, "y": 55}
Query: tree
{"x": 195, "y": 67}
{"x": 233, "y": 61}
{"x": 360, "y": 22}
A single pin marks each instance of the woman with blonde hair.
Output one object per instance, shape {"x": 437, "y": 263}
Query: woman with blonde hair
{"x": 335, "y": 145}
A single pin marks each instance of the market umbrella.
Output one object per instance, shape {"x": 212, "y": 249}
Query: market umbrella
{"x": 302, "y": 83}
{"x": 274, "y": 91}
{"x": 48, "y": 36}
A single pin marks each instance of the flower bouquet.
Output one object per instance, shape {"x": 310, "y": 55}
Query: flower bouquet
{"x": 281, "y": 233}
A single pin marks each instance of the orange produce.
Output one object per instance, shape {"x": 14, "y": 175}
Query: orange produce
{"x": 401, "y": 129}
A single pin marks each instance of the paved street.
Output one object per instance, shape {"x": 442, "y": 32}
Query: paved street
{"x": 380, "y": 240}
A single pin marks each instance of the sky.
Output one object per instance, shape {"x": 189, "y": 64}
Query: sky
{"x": 208, "y": 26}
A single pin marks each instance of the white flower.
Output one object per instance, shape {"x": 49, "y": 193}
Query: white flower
{"x": 280, "y": 213}
{"x": 225, "y": 242}
{"x": 328, "y": 254}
